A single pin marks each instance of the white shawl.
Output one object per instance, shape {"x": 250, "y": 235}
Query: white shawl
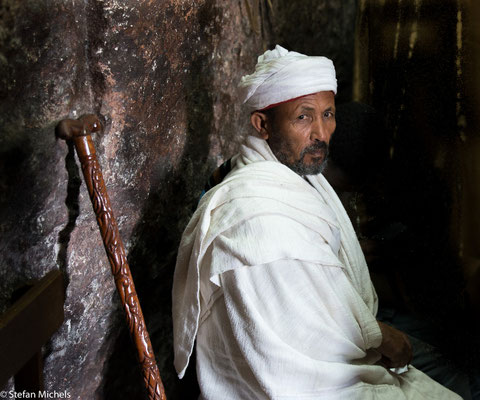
{"x": 314, "y": 204}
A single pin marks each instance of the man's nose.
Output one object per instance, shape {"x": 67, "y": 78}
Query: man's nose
{"x": 319, "y": 131}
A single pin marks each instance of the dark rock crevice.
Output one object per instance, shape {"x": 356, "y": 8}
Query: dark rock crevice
{"x": 96, "y": 28}
{"x": 72, "y": 204}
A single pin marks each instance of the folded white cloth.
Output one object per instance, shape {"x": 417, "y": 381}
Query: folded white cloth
{"x": 284, "y": 192}
{"x": 272, "y": 278}
{"x": 282, "y": 75}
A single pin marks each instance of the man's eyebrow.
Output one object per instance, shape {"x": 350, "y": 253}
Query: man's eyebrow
{"x": 306, "y": 108}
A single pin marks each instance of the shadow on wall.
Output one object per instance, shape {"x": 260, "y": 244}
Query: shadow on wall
{"x": 16, "y": 174}
{"x": 325, "y": 28}
{"x": 72, "y": 203}
{"x": 153, "y": 254}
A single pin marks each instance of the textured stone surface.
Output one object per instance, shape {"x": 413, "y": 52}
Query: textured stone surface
{"x": 154, "y": 72}
{"x": 163, "y": 76}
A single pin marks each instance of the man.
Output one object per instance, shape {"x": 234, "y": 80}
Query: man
{"x": 270, "y": 278}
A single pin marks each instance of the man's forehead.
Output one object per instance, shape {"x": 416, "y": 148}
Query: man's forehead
{"x": 320, "y": 99}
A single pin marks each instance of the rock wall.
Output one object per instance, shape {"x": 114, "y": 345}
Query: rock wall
{"x": 163, "y": 77}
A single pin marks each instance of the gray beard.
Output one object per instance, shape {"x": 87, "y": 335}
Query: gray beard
{"x": 299, "y": 165}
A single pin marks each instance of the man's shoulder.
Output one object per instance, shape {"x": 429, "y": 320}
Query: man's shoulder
{"x": 264, "y": 202}
{"x": 260, "y": 181}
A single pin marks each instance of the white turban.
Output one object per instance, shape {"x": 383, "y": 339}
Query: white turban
{"x": 282, "y": 75}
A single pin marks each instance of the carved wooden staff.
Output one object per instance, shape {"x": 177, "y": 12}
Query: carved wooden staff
{"x": 79, "y": 131}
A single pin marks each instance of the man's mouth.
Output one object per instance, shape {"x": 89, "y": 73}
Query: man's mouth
{"x": 317, "y": 150}
{"x": 317, "y": 153}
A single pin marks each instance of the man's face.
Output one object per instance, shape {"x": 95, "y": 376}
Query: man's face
{"x": 301, "y": 130}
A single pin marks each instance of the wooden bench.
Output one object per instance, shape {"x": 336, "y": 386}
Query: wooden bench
{"x": 25, "y": 327}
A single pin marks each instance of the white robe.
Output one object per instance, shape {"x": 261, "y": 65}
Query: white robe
{"x": 272, "y": 283}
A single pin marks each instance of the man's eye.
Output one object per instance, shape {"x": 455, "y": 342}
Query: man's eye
{"x": 303, "y": 116}
{"x": 328, "y": 114}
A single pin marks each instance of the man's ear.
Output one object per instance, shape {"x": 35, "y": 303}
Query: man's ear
{"x": 261, "y": 124}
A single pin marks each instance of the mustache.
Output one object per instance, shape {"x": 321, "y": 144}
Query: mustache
{"x": 315, "y": 147}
